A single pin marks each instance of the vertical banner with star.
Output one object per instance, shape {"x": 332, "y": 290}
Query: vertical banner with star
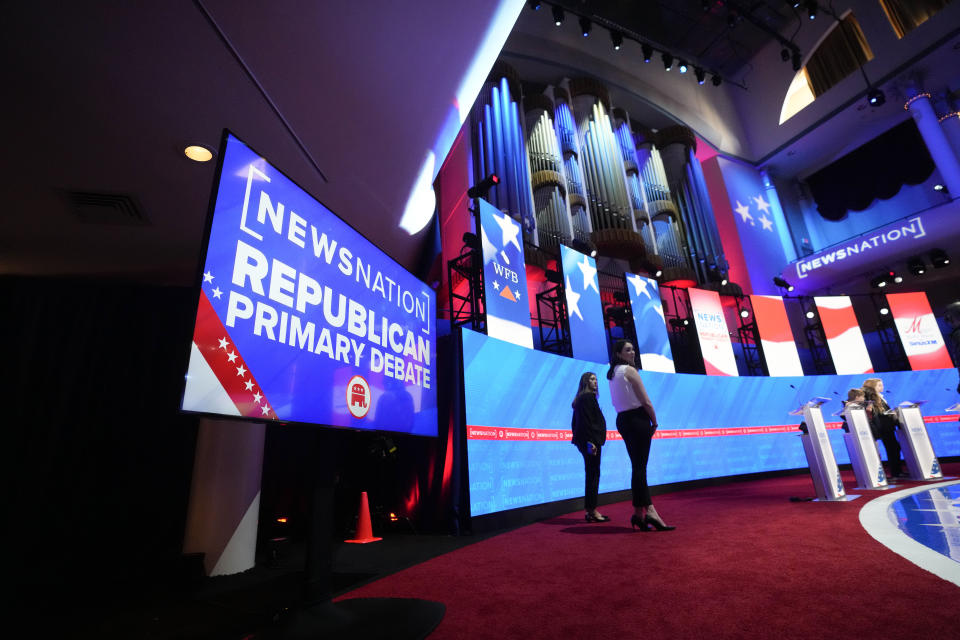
{"x": 718, "y": 358}
{"x": 749, "y": 223}
{"x": 844, "y": 339}
{"x": 588, "y": 335}
{"x": 776, "y": 336}
{"x": 504, "y": 277}
{"x": 653, "y": 342}
{"x": 302, "y": 319}
{"x": 918, "y": 330}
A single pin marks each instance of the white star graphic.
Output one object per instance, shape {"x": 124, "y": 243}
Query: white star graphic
{"x": 231, "y": 356}
{"x": 496, "y": 285}
{"x": 208, "y": 277}
{"x": 744, "y": 212}
{"x": 509, "y": 229}
{"x": 223, "y": 343}
{"x": 639, "y": 285}
{"x": 256, "y": 397}
{"x": 573, "y": 300}
{"x": 249, "y": 385}
{"x": 517, "y": 291}
{"x": 589, "y": 274}
{"x": 762, "y": 204}
{"x": 659, "y": 310}
{"x": 767, "y": 223}
{"x": 241, "y": 371}
{"x": 217, "y": 293}
{"x": 264, "y": 409}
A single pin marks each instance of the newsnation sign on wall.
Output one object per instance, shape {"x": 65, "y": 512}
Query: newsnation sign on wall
{"x": 877, "y": 248}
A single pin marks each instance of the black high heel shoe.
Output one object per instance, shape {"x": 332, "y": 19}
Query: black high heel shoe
{"x": 659, "y": 526}
{"x": 592, "y": 518}
{"x": 641, "y": 523}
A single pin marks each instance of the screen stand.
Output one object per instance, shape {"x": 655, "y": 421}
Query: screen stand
{"x": 318, "y": 616}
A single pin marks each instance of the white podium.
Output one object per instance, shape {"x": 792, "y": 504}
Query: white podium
{"x": 820, "y": 458}
{"x": 862, "y": 448}
{"x": 915, "y": 443}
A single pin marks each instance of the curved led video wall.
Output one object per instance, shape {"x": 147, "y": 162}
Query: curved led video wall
{"x": 518, "y": 423}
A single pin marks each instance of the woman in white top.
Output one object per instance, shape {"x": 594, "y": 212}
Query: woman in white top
{"x": 636, "y": 422}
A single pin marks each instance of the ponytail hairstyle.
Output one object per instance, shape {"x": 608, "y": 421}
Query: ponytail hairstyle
{"x": 584, "y": 386}
{"x": 615, "y": 359}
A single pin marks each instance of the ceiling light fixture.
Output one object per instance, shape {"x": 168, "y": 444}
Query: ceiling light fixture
{"x": 716, "y": 80}
{"x": 585, "y": 26}
{"x": 198, "y": 153}
{"x": 617, "y": 39}
{"x": 683, "y": 66}
{"x": 701, "y": 75}
{"x": 939, "y": 258}
{"x": 875, "y": 96}
{"x": 647, "y": 52}
{"x": 811, "y": 8}
{"x": 558, "y": 16}
{"x": 916, "y": 266}
{"x": 667, "y": 61}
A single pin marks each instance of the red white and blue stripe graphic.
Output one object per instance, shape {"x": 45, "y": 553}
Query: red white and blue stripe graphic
{"x": 714, "y": 335}
{"x": 776, "y": 337}
{"x": 918, "y": 330}
{"x": 844, "y": 339}
{"x": 221, "y": 380}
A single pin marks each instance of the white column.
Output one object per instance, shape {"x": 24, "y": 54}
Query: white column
{"x": 224, "y": 507}
{"x": 934, "y": 137}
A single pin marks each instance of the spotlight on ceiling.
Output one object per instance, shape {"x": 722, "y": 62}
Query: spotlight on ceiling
{"x": 939, "y": 258}
{"x": 797, "y": 61}
{"x": 683, "y": 66}
{"x": 744, "y": 313}
{"x": 584, "y": 247}
{"x": 938, "y": 187}
{"x": 783, "y": 284}
{"x": 534, "y": 6}
{"x": 810, "y": 315}
{"x": 716, "y": 80}
{"x": 557, "y": 15}
{"x": 585, "y": 26}
{"x": 647, "y": 52}
{"x": 658, "y": 273}
{"x": 480, "y": 189}
{"x": 916, "y": 266}
{"x": 667, "y": 61}
{"x": 811, "y": 8}
{"x": 701, "y": 75}
{"x": 876, "y": 97}
{"x": 880, "y": 281}
{"x": 884, "y": 311}
{"x": 617, "y": 39}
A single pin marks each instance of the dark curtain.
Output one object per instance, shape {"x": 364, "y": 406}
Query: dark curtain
{"x": 841, "y": 53}
{"x": 98, "y": 457}
{"x": 907, "y": 15}
{"x": 877, "y": 170}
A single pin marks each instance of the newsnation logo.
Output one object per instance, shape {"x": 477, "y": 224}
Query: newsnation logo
{"x": 912, "y": 229}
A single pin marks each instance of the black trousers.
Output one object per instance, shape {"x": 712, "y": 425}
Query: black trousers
{"x": 637, "y": 432}
{"x": 887, "y": 432}
{"x": 591, "y": 468}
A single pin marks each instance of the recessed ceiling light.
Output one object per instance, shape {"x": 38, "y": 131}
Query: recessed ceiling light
{"x": 198, "y": 153}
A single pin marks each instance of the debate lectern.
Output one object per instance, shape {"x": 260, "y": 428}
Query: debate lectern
{"x": 864, "y": 457}
{"x": 915, "y": 443}
{"x": 820, "y": 458}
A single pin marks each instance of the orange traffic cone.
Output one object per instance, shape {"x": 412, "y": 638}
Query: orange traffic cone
{"x": 364, "y": 530}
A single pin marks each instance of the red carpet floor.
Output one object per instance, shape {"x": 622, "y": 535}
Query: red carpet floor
{"x": 744, "y": 562}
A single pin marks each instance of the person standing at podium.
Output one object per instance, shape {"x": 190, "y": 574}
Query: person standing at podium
{"x": 883, "y": 424}
{"x": 636, "y": 422}
{"x": 589, "y": 434}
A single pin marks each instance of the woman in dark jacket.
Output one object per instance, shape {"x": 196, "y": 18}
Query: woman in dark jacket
{"x": 883, "y": 424}
{"x": 589, "y": 434}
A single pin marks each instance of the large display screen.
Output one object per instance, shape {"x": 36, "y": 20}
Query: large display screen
{"x": 653, "y": 343}
{"x": 504, "y": 277}
{"x": 588, "y": 336}
{"x": 844, "y": 339}
{"x": 518, "y": 423}
{"x": 302, "y": 319}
